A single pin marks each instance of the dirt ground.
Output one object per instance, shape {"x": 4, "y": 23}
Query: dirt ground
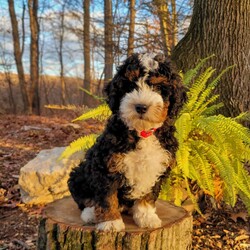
{"x": 22, "y": 137}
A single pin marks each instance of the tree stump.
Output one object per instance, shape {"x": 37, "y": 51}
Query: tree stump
{"x": 61, "y": 228}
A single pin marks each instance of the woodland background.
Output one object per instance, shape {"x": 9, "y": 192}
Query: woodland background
{"x": 49, "y": 49}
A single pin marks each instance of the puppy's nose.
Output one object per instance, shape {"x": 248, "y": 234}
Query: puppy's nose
{"x": 141, "y": 108}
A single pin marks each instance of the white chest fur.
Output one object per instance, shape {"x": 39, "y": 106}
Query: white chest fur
{"x": 143, "y": 166}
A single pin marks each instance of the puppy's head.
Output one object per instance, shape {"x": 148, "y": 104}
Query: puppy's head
{"x": 145, "y": 92}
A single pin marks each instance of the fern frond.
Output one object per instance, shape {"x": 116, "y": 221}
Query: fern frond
{"x": 203, "y": 124}
{"x": 92, "y": 95}
{"x": 201, "y": 164}
{"x": 201, "y": 106}
{"x": 183, "y": 127}
{"x": 211, "y": 110}
{"x": 245, "y": 200}
{"x": 166, "y": 189}
{"x": 62, "y": 107}
{"x": 229, "y": 128}
{"x": 182, "y": 159}
{"x": 197, "y": 88}
{"x": 243, "y": 117}
{"x": 190, "y": 74}
{"x": 81, "y": 144}
{"x": 242, "y": 178}
{"x": 101, "y": 113}
{"x": 223, "y": 165}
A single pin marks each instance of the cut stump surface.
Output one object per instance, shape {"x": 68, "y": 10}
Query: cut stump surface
{"x": 61, "y": 228}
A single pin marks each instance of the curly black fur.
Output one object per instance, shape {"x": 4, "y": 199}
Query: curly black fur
{"x": 92, "y": 180}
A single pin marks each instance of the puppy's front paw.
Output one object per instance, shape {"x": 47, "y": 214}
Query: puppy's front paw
{"x": 88, "y": 215}
{"x": 144, "y": 216}
{"x": 112, "y": 225}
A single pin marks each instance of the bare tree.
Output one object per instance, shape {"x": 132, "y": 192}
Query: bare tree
{"x": 34, "y": 101}
{"x": 18, "y": 55}
{"x": 6, "y": 64}
{"x": 131, "y": 36}
{"x": 60, "y": 53}
{"x": 163, "y": 14}
{"x": 86, "y": 48}
{"x": 174, "y": 26}
{"x": 108, "y": 41}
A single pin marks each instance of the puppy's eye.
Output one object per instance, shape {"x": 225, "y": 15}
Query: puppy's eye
{"x": 157, "y": 88}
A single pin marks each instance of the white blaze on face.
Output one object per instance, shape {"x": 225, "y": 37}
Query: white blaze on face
{"x": 144, "y": 95}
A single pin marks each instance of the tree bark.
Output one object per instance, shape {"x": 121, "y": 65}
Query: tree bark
{"x": 34, "y": 101}
{"x": 86, "y": 46}
{"x": 60, "y": 52}
{"x": 61, "y": 228}
{"x": 131, "y": 36}
{"x": 174, "y": 29}
{"x": 163, "y": 14}
{"x": 221, "y": 28}
{"x": 108, "y": 41}
{"x": 18, "y": 55}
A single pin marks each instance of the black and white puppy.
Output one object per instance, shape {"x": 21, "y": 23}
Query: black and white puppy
{"x": 126, "y": 166}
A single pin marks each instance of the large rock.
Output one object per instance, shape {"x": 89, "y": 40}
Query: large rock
{"x": 44, "y": 179}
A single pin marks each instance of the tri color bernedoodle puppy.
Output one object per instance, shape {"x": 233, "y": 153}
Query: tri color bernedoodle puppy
{"x": 125, "y": 168}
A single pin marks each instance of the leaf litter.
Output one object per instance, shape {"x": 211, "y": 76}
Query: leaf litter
{"x": 22, "y": 137}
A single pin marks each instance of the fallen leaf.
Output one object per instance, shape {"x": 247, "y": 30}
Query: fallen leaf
{"x": 241, "y": 237}
{"x": 240, "y": 215}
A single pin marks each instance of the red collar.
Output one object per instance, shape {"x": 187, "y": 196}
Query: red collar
{"x": 146, "y": 134}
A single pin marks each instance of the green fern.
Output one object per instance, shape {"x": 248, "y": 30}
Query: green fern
{"x": 211, "y": 147}
{"x": 190, "y": 74}
{"x": 101, "y": 113}
{"x": 81, "y": 144}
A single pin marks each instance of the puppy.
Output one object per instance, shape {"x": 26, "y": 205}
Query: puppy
{"x": 125, "y": 168}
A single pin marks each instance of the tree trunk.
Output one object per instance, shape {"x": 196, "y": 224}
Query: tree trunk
{"x": 18, "y": 55}
{"x": 61, "y": 228}
{"x": 60, "y": 52}
{"x": 34, "y": 101}
{"x": 174, "y": 29}
{"x": 131, "y": 37}
{"x": 11, "y": 96}
{"x": 108, "y": 29}
{"x": 86, "y": 46}
{"x": 163, "y": 14}
{"x": 221, "y": 28}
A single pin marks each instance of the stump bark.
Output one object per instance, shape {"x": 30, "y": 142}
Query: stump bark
{"x": 61, "y": 228}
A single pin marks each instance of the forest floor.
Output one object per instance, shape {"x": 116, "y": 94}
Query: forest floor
{"x": 22, "y": 137}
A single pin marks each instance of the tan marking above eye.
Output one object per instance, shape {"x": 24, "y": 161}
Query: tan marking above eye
{"x": 157, "y": 80}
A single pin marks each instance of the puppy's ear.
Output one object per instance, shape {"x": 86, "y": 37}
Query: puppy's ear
{"x": 111, "y": 91}
{"x": 177, "y": 97}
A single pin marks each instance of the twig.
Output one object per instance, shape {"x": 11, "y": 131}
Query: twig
{"x": 21, "y": 243}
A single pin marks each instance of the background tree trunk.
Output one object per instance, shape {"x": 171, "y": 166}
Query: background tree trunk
{"x": 221, "y": 28}
{"x": 108, "y": 47}
{"x": 86, "y": 48}
{"x": 62, "y": 228}
{"x": 18, "y": 55}
{"x": 60, "y": 53}
{"x": 163, "y": 14}
{"x": 174, "y": 25}
{"x": 34, "y": 101}
{"x": 131, "y": 36}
